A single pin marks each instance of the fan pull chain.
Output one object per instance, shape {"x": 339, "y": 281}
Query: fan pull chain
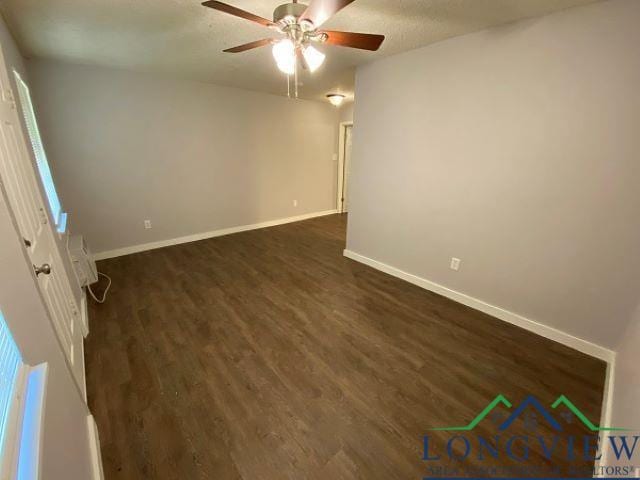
{"x": 295, "y": 73}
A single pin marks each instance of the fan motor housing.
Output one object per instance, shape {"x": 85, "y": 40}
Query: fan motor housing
{"x": 289, "y": 12}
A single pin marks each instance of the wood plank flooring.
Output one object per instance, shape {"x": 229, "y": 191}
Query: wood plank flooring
{"x": 268, "y": 355}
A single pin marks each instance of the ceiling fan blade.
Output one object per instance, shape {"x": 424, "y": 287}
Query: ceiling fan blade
{"x": 364, "y": 41}
{"x": 319, "y": 11}
{"x": 249, "y": 46}
{"x": 223, "y": 7}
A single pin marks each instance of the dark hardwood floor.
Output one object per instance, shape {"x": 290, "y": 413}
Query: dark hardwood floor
{"x": 268, "y": 355}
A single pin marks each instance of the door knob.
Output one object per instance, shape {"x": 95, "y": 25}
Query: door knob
{"x": 45, "y": 268}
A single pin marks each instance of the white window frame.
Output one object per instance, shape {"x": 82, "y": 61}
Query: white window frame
{"x": 10, "y": 450}
{"x": 9, "y": 438}
{"x": 21, "y": 446}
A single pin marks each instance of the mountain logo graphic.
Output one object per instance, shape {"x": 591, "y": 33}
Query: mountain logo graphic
{"x": 529, "y": 402}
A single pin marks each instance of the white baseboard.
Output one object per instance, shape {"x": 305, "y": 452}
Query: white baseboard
{"x": 607, "y": 411}
{"x": 551, "y": 333}
{"x": 94, "y": 449}
{"x": 203, "y": 236}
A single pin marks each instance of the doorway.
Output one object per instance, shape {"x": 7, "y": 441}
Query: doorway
{"x": 344, "y": 166}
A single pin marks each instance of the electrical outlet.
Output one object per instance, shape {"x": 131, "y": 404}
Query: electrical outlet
{"x": 335, "y": 157}
{"x": 455, "y": 264}
{"x": 147, "y": 224}
{"x": 295, "y": 203}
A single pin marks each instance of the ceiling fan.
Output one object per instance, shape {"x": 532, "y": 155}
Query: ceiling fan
{"x": 300, "y": 24}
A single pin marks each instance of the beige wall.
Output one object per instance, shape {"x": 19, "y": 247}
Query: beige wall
{"x": 191, "y": 157}
{"x": 516, "y": 150}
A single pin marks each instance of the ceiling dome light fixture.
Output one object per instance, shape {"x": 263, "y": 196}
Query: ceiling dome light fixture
{"x": 336, "y": 99}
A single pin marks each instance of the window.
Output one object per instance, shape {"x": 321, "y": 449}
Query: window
{"x": 59, "y": 217}
{"x": 10, "y": 370}
{"x": 22, "y": 393}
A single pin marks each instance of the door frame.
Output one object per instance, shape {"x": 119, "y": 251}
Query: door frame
{"x": 341, "y": 154}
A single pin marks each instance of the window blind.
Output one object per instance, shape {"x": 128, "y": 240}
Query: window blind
{"x": 38, "y": 149}
{"x": 10, "y": 363}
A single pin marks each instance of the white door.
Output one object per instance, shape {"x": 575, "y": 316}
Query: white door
{"x": 21, "y": 183}
{"x": 346, "y": 165}
{"x": 65, "y": 448}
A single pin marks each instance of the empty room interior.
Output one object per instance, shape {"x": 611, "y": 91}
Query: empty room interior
{"x": 324, "y": 239}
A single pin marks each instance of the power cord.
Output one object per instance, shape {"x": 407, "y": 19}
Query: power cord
{"x": 104, "y": 294}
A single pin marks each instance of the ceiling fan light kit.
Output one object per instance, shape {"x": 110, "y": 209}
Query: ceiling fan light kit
{"x": 300, "y": 25}
{"x": 284, "y": 53}
{"x": 314, "y": 57}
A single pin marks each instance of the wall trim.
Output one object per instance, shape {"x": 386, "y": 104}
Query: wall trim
{"x": 546, "y": 331}
{"x": 204, "y": 235}
{"x": 607, "y": 410}
{"x": 341, "y": 157}
{"x": 94, "y": 449}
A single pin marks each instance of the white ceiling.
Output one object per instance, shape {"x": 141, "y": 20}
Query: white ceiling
{"x": 183, "y": 38}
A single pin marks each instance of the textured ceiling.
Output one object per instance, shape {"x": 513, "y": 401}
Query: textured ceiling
{"x": 184, "y": 39}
